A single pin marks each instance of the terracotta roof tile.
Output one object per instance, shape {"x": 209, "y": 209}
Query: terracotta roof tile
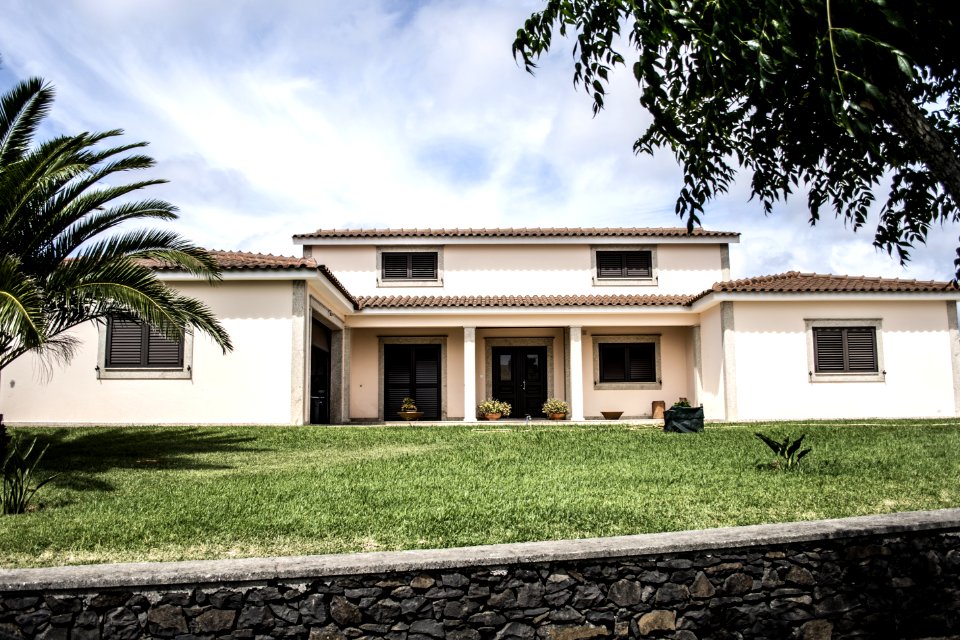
{"x": 546, "y": 232}
{"x": 338, "y": 285}
{"x": 239, "y": 260}
{"x": 413, "y": 302}
{"x": 796, "y": 282}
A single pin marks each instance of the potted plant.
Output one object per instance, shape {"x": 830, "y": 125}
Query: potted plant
{"x": 682, "y": 418}
{"x": 408, "y": 410}
{"x": 555, "y": 408}
{"x": 493, "y": 409}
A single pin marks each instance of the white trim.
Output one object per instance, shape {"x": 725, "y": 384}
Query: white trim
{"x": 581, "y": 240}
{"x": 599, "y": 339}
{"x": 713, "y": 298}
{"x": 386, "y": 284}
{"x": 652, "y": 281}
{"x": 469, "y": 374}
{"x": 876, "y": 323}
{"x": 575, "y": 374}
{"x": 184, "y": 372}
{"x": 954, "y": 336}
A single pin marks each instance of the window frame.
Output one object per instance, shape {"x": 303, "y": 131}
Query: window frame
{"x": 626, "y": 340}
{"x": 623, "y": 281}
{"x": 409, "y": 282}
{"x": 844, "y": 376}
{"x": 141, "y": 371}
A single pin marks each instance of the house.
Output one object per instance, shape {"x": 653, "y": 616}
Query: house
{"x": 609, "y": 319}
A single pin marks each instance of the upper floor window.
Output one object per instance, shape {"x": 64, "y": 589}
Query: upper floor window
{"x": 133, "y": 349}
{"x": 624, "y": 266}
{"x": 418, "y": 267}
{"x": 844, "y": 350}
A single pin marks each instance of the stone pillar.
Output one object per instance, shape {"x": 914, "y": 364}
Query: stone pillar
{"x": 575, "y": 373}
{"x": 299, "y": 350}
{"x": 469, "y": 374}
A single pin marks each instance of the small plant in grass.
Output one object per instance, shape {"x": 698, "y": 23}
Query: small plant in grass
{"x": 408, "y": 404}
{"x": 682, "y": 403}
{"x": 789, "y": 454}
{"x": 492, "y": 405}
{"x": 19, "y": 466}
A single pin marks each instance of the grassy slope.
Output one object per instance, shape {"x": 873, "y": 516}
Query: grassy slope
{"x": 182, "y": 493}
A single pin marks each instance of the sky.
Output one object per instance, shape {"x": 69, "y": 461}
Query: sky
{"x": 275, "y": 118}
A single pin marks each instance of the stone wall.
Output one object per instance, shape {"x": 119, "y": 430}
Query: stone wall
{"x": 877, "y": 576}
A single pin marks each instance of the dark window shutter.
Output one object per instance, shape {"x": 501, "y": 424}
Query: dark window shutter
{"x": 125, "y": 343}
{"x": 424, "y": 266}
{"x": 163, "y": 352}
{"x": 613, "y": 366}
{"x": 412, "y": 371}
{"x": 624, "y": 264}
{"x": 861, "y": 349}
{"x": 643, "y": 362}
{"x": 395, "y": 266}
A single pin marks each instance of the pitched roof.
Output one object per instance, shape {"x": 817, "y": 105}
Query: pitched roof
{"x": 411, "y": 302}
{"x": 547, "y": 232}
{"x": 240, "y": 260}
{"x": 796, "y": 282}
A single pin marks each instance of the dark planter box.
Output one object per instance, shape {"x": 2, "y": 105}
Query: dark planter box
{"x": 683, "y": 420}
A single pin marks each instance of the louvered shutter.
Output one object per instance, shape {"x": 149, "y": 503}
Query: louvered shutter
{"x": 125, "y": 343}
{"x": 423, "y": 266}
{"x": 412, "y": 371}
{"x": 861, "y": 349}
{"x": 637, "y": 264}
{"x": 828, "y": 349}
{"x": 613, "y": 366}
{"x": 643, "y": 362}
{"x": 395, "y": 266}
{"x": 163, "y": 352}
{"x": 609, "y": 264}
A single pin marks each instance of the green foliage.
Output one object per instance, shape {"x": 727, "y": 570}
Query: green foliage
{"x": 408, "y": 404}
{"x": 682, "y": 402}
{"x": 18, "y": 469}
{"x": 828, "y": 98}
{"x": 492, "y": 405}
{"x": 555, "y": 405}
{"x": 788, "y": 453}
{"x": 63, "y": 258}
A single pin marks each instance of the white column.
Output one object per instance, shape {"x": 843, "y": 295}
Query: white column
{"x": 575, "y": 374}
{"x": 469, "y": 374}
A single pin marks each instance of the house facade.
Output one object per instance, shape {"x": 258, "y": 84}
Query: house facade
{"x": 606, "y": 319}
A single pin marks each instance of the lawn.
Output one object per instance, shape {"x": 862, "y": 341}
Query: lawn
{"x": 175, "y": 493}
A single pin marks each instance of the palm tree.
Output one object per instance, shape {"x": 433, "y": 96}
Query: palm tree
{"x": 58, "y": 266}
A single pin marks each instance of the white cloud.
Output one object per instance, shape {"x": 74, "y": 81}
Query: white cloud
{"x": 277, "y": 118}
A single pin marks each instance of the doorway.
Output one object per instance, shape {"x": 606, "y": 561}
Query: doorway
{"x": 520, "y": 378}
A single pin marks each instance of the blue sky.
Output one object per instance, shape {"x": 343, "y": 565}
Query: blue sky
{"x": 277, "y": 118}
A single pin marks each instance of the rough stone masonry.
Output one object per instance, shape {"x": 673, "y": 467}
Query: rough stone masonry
{"x": 894, "y": 576}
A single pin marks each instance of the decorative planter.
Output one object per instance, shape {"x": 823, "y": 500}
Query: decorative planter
{"x": 410, "y": 415}
{"x": 557, "y": 416}
{"x": 612, "y": 415}
{"x": 683, "y": 419}
{"x": 491, "y": 416}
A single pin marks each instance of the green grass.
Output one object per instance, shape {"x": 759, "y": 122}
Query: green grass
{"x": 173, "y": 493}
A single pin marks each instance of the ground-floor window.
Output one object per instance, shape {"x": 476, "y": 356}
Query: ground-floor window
{"x": 844, "y": 350}
{"x": 626, "y": 362}
{"x": 130, "y": 348}
{"x": 411, "y": 370}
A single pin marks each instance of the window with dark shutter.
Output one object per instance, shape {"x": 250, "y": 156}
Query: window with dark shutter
{"x": 624, "y": 264}
{"x": 420, "y": 265}
{"x": 845, "y": 349}
{"x": 628, "y": 362}
{"x": 133, "y": 344}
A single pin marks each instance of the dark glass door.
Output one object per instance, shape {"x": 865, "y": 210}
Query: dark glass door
{"x": 411, "y": 371}
{"x": 520, "y": 378}
{"x": 319, "y": 386}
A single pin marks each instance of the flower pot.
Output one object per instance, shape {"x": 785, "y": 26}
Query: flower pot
{"x": 491, "y": 416}
{"x": 557, "y": 416}
{"x": 410, "y": 415}
{"x": 612, "y": 415}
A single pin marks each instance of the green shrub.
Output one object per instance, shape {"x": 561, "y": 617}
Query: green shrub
{"x": 788, "y": 453}
{"x": 19, "y": 466}
{"x": 492, "y": 405}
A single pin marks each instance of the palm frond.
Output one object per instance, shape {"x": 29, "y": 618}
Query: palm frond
{"x": 21, "y": 110}
{"x": 21, "y": 305}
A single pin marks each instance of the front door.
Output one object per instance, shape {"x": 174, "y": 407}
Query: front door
{"x": 411, "y": 371}
{"x": 520, "y": 378}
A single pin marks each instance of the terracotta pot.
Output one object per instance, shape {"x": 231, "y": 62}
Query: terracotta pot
{"x": 612, "y": 415}
{"x": 410, "y": 415}
{"x": 557, "y": 416}
{"x": 491, "y": 416}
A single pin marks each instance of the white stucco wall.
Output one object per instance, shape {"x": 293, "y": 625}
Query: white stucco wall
{"x": 526, "y": 269}
{"x": 249, "y": 385}
{"x": 711, "y": 364}
{"x": 772, "y": 362}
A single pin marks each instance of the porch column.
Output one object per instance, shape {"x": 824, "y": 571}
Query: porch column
{"x": 469, "y": 374}
{"x": 575, "y": 373}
